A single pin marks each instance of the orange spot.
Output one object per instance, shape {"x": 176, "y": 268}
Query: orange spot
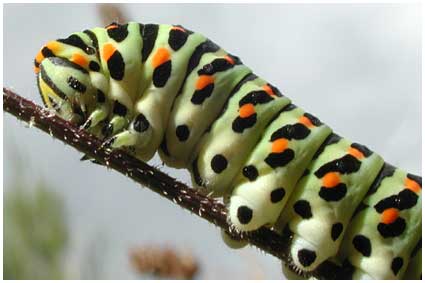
{"x": 79, "y": 60}
{"x": 39, "y": 57}
{"x": 111, "y": 27}
{"x": 160, "y": 57}
{"x": 203, "y": 81}
{"x": 246, "y": 110}
{"x": 389, "y": 215}
{"x": 36, "y": 69}
{"x": 330, "y": 180}
{"x": 306, "y": 122}
{"x": 279, "y": 145}
{"x": 178, "y": 28}
{"x": 54, "y": 46}
{"x": 108, "y": 51}
{"x": 269, "y": 90}
{"x": 356, "y": 153}
{"x": 412, "y": 185}
{"x": 229, "y": 59}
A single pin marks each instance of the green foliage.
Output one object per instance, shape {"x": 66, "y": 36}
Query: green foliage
{"x": 35, "y": 234}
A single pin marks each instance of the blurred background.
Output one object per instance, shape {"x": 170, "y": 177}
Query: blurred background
{"x": 357, "y": 67}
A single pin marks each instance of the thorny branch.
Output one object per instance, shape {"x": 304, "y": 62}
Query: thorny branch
{"x": 203, "y": 206}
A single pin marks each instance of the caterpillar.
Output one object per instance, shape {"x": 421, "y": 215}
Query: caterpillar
{"x": 147, "y": 87}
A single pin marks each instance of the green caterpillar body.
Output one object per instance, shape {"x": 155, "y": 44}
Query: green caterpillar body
{"x": 147, "y": 88}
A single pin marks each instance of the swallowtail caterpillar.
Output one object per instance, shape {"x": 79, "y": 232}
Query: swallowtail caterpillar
{"x": 148, "y": 87}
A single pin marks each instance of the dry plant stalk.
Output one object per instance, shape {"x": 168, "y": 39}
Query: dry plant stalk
{"x": 159, "y": 182}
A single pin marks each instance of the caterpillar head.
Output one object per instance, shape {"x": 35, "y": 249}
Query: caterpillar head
{"x": 65, "y": 87}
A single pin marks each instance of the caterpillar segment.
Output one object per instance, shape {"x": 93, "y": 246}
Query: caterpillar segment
{"x": 206, "y": 90}
{"x": 251, "y": 107}
{"x": 325, "y": 198}
{"x": 268, "y": 177}
{"x": 392, "y": 210}
{"x": 147, "y": 87}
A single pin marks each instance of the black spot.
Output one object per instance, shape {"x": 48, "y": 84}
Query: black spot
{"x": 396, "y": 265}
{"x": 388, "y": 202}
{"x": 280, "y": 159}
{"x": 119, "y": 109}
{"x": 140, "y": 123}
{"x": 277, "y": 195}
{"x": 119, "y": 33}
{"x": 299, "y": 131}
{"x": 314, "y": 120}
{"x": 363, "y": 149}
{"x": 177, "y": 38}
{"x": 100, "y": 96}
{"x": 195, "y": 172}
{"x": 344, "y": 165}
{"x": 288, "y": 108}
{"x": 333, "y": 194}
{"x": 244, "y": 214}
{"x": 76, "y": 41}
{"x": 200, "y": 95}
{"x": 303, "y": 209}
{"x": 306, "y": 257}
{"x": 149, "y": 33}
{"x": 250, "y": 172}
{"x": 393, "y": 229}
{"x": 347, "y": 270}
{"x": 255, "y": 97}
{"x": 217, "y": 65}
{"x": 403, "y": 200}
{"x": 182, "y": 132}
{"x": 218, "y": 163}
{"x": 336, "y": 231}
{"x": 296, "y": 131}
{"x": 161, "y": 74}
{"x": 94, "y": 66}
{"x": 239, "y": 125}
{"x": 47, "y": 52}
{"x": 76, "y": 84}
{"x": 407, "y": 199}
{"x": 116, "y": 66}
{"x": 362, "y": 245}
